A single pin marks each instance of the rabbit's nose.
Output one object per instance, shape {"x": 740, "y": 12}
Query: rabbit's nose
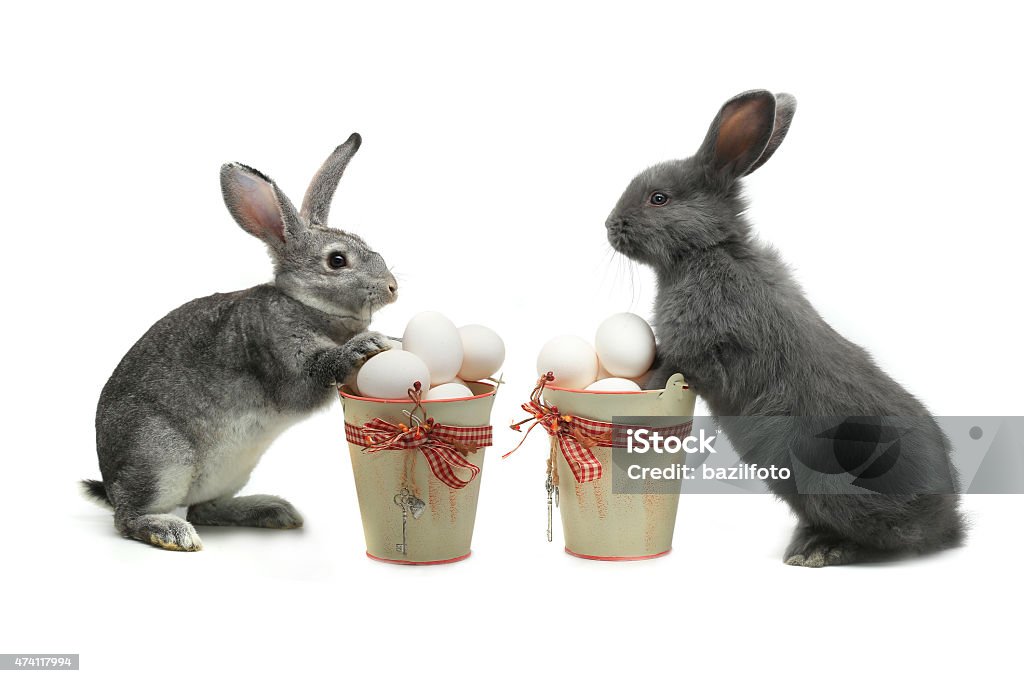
{"x": 393, "y": 287}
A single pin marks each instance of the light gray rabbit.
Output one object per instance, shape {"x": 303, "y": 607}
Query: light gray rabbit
{"x": 193, "y": 405}
{"x": 731, "y": 318}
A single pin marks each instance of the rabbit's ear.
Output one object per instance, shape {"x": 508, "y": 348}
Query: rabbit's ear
{"x": 785, "y": 107}
{"x": 739, "y": 135}
{"x": 257, "y": 204}
{"x": 316, "y": 205}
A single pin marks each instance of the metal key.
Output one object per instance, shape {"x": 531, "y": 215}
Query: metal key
{"x": 549, "y": 485}
{"x": 409, "y": 504}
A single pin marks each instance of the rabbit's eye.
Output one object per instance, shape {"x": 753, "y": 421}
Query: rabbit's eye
{"x": 336, "y": 260}
{"x": 659, "y": 199}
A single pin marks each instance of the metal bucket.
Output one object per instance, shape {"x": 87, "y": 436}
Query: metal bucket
{"x": 601, "y": 525}
{"x": 410, "y": 516}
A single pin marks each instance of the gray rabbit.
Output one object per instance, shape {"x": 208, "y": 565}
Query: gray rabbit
{"x": 193, "y": 405}
{"x": 732, "y": 319}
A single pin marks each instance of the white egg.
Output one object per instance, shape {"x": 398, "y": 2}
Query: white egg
{"x": 390, "y": 374}
{"x": 434, "y": 338}
{"x": 483, "y": 352}
{"x": 571, "y": 359}
{"x": 625, "y": 344}
{"x": 449, "y": 390}
{"x": 614, "y": 384}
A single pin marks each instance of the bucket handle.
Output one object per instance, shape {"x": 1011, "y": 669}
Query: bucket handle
{"x": 674, "y": 388}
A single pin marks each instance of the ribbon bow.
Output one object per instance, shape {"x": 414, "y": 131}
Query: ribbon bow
{"x": 576, "y": 435}
{"x": 444, "y": 446}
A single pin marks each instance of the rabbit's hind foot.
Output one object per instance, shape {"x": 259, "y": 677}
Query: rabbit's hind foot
{"x": 812, "y": 547}
{"x": 166, "y": 531}
{"x": 269, "y": 512}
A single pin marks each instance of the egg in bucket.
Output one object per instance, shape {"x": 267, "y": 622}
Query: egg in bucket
{"x": 417, "y": 457}
{"x": 577, "y": 411}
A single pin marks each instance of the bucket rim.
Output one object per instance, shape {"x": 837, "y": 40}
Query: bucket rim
{"x": 686, "y": 387}
{"x": 370, "y": 399}
{"x": 610, "y": 393}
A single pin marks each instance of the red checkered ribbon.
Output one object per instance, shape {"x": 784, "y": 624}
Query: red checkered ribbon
{"x": 444, "y": 446}
{"x": 577, "y": 435}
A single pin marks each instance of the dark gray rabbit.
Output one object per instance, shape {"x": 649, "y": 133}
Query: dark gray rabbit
{"x": 193, "y": 405}
{"x": 731, "y": 318}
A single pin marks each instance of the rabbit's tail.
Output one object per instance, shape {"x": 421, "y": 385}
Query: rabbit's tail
{"x": 95, "y": 491}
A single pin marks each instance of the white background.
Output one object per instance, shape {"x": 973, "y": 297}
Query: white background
{"x": 495, "y": 144}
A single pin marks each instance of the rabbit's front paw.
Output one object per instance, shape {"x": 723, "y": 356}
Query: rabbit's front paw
{"x": 357, "y": 351}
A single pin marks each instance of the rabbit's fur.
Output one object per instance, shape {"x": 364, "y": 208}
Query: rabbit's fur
{"x": 188, "y": 412}
{"x": 732, "y": 319}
